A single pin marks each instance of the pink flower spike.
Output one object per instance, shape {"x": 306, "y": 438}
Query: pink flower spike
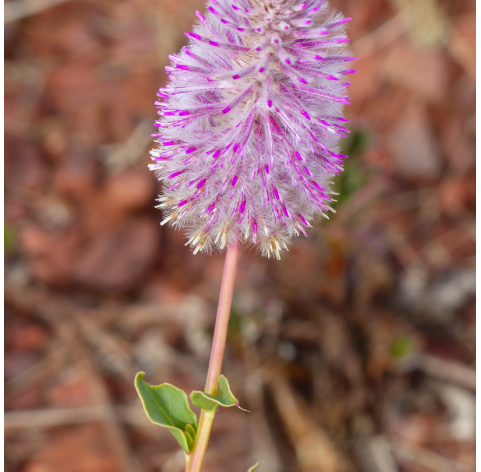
{"x": 248, "y": 128}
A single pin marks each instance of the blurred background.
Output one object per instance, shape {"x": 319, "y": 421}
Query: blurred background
{"x": 354, "y": 353}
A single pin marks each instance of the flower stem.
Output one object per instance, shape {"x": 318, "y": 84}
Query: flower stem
{"x": 216, "y": 356}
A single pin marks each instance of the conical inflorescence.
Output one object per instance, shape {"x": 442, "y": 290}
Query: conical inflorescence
{"x": 250, "y": 122}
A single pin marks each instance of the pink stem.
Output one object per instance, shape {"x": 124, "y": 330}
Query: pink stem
{"x": 216, "y": 356}
{"x": 222, "y": 320}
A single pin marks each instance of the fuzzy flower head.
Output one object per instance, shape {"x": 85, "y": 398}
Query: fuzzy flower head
{"x": 250, "y": 121}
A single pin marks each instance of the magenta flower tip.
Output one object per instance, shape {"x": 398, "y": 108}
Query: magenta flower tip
{"x": 255, "y": 101}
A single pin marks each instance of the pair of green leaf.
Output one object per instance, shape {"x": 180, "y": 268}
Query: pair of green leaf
{"x": 168, "y": 406}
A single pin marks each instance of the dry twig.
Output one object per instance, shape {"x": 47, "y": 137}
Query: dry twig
{"x": 451, "y": 371}
{"x": 315, "y": 451}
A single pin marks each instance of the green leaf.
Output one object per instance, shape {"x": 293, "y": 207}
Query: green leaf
{"x": 190, "y": 429}
{"x": 350, "y": 181}
{"x": 9, "y": 238}
{"x": 168, "y": 406}
{"x": 189, "y": 439}
{"x": 210, "y": 402}
{"x": 358, "y": 144}
{"x": 190, "y": 433}
{"x": 254, "y": 467}
{"x": 201, "y": 400}
{"x": 401, "y": 347}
